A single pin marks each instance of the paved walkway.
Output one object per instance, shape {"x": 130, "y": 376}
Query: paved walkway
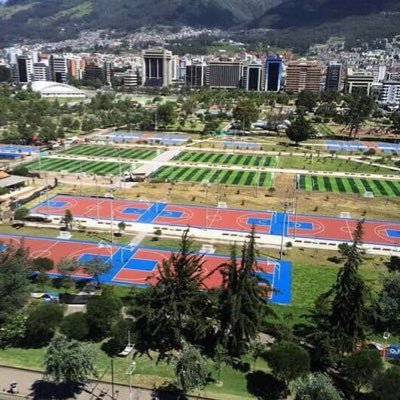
{"x": 30, "y": 385}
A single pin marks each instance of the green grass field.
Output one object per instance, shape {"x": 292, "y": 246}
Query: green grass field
{"x": 224, "y": 176}
{"x": 111, "y": 151}
{"x": 227, "y": 159}
{"x": 76, "y": 166}
{"x": 329, "y": 164}
{"x": 348, "y": 185}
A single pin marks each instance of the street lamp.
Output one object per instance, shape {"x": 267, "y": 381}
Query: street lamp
{"x": 386, "y": 337}
{"x": 129, "y": 372}
{"x": 206, "y": 183}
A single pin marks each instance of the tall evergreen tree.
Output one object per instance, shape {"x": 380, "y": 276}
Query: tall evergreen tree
{"x": 349, "y": 296}
{"x": 176, "y": 307}
{"x": 242, "y": 300}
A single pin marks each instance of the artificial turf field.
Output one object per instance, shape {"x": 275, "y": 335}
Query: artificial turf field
{"x": 227, "y": 159}
{"x": 223, "y": 176}
{"x": 348, "y": 185}
{"x": 112, "y": 151}
{"x": 76, "y": 166}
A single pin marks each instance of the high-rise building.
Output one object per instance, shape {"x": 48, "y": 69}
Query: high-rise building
{"x": 195, "y": 74}
{"x": 157, "y": 68}
{"x": 390, "y": 93}
{"x": 58, "y": 68}
{"x": 225, "y": 74}
{"x": 130, "y": 79}
{"x": 252, "y": 77}
{"x": 334, "y": 77}
{"x": 359, "y": 82}
{"x": 303, "y": 75}
{"x": 108, "y": 72}
{"x": 41, "y": 71}
{"x": 76, "y": 67}
{"x": 273, "y": 73}
{"x": 23, "y": 70}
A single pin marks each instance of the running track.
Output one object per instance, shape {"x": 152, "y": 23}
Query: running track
{"x": 138, "y": 265}
{"x": 273, "y": 223}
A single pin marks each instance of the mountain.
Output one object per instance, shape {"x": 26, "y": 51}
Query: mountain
{"x": 60, "y": 19}
{"x": 301, "y": 13}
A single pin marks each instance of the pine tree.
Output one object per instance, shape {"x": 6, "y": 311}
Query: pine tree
{"x": 242, "y": 300}
{"x": 176, "y": 308}
{"x": 349, "y": 295}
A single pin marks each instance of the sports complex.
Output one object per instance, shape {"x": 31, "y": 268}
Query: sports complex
{"x": 239, "y": 164}
{"x": 138, "y": 265}
{"x": 268, "y": 223}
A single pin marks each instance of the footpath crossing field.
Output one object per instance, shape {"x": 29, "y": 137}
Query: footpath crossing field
{"x": 227, "y": 159}
{"x": 111, "y": 151}
{"x": 348, "y": 185}
{"x": 223, "y": 176}
{"x": 77, "y": 166}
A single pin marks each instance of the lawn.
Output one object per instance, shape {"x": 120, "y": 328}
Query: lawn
{"x": 223, "y": 176}
{"x": 77, "y": 166}
{"x": 329, "y": 164}
{"x": 226, "y": 159}
{"x": 148, "y": 373}
{"x": 112, "y": 151}
{"x": 348, "y": 185}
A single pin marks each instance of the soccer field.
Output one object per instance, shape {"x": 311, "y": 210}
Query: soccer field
{"x": 112, "y": 151}
{"x": 227, "y": 159}
{"x": 348, "y": 185}
{"x": 77, "y": 166}
{"x": 225, "y": 176}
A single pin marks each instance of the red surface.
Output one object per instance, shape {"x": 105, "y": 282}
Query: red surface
{"x": 342, "y": 229}
{"x": 217, "y": 218}
{"x": 57, "y": 250}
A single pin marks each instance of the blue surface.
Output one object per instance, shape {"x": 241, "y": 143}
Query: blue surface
{"x": 86, "y": 257}
{"x": 259, "y": 221}
{"x": 56, "y": 204}
{"x": 393, "y": 233}
{"x": 141, "y": 265}
{"x": 151, "y": 214}
{"x": 279, "y": 224}
{"x": 307, "y": 226}
{"x": 171, "y": 214}
{"x": 133, "y": 210}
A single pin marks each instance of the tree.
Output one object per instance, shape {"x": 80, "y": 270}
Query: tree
{"x": 242, "y": 301}
{"x": 349, "y": 296}
{"x": 69, "y": 361}
{"x": 20, "y": 171}
{"x": 389, "y": 299}
{"x": 75, "y": 326}
{"x": 246, "y": 112}
{"x": 288, "y": 361}
{"x": 102, "y": 312}
{"x": 190, "y": 369}
{"x": 96, "y": 267}
{"x": 359, "y": 109}
{"x": 15, "y": 271}
{"x": 21, "y": 213}
{"x": 307, "y": 100}
{"x": 362, "y": 367}
{"x": 12, "y": 332}
{"x": 121, "y": 227}
{"x": 42, "y": 323}
{"x": 395, "y": 119}
{"x": 221, "y": 357}
{"x": 299, "y": 130}
{"x": 42, "y": 264}
{"x": 67, "y": 267}
{"x": 393, "y": 264}
{"x": 166, "y": 114}
{"x": 315, "y": 386}
{"x": 386, "y": 385}
{"x": 257, "y": 349}
{"x": 68, "y": 219}
{"x": 176, "y": 307}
